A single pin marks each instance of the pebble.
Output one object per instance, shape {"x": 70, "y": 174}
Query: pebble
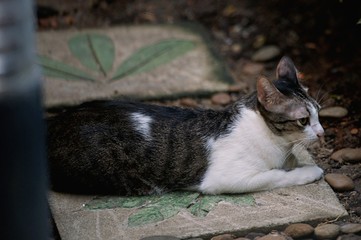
{"x": 274, "y": 235}
{"x": 235, "y": 88}
{"x": 251, "y": 68}
{"x": 347, "y": 231}
{"x": 253, "y": 235}
{"x": 221, "y": 99}
{"x": 299, "y": 230}
{"x": 349, "y": 237}
{"x": 236, "y": 48}
{"x": 188, "y": 102}
{"x": 327, "y": 231}
{"x": 223, "y": 237}
{"x": 238, "y": 87}
{"x": 229, "y": 10}
{"x": 347, "y": 155}
{"x": 259, "y": 41}
{"x": 354, "y": 131}
{"x": 351, "y": 228}
{"x": 266, "y": 53}
{"x": 160, "y": 238}
{"x": 335, "y": 112}
{"x": 339, "y": 182}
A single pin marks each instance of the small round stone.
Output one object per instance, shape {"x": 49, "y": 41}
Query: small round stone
{"x": 252, "y": 68}
{"x": 188, "y": 102}
{"x": 253, "y": 235}
{"x": 339, "y": 182}
{"x": 299, "y": 230}
{"x": 236, "y": 48}
{"x": 273, "y": 236}
{"x": 160, "y": 238}
{"x": 351, "y": 228}
{"x": 336, "y": 112}
{"x": 328, "y": 231}
{"x": 347, "y": 155}
{"x": 224, "y": 237}
{"x": 354, "y": 131}
{"x": 266, "y": 53}
{"x": 221, "y": 99}
{"x": 349, "y": 237}
{"x": 238, "y": 87}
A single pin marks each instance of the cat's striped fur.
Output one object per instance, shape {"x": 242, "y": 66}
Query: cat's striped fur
{"x": 128, "y": 148}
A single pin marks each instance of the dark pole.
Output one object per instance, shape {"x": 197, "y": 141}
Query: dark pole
{"x": 23, "y": 181}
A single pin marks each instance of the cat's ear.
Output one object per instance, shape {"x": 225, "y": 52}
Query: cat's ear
{"x": 269, "y": 96}
{"x": 286, "y": 70}
{"x": 275, "y": 101}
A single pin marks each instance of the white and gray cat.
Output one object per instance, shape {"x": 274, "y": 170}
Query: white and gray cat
{"x": 128, "y": 148}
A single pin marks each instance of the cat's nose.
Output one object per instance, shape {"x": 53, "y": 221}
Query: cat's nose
{"x": 320, "y": 133}
{"x": 318, "y": 130}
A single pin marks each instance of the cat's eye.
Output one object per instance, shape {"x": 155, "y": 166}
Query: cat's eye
{"x": 303, "y": 121}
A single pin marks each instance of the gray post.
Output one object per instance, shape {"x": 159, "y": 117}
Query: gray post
{"x": 23, "y": 181}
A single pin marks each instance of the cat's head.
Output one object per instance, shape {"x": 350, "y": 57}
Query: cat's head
{"x": 286, "y": 106}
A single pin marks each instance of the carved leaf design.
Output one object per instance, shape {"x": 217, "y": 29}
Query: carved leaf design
{"x": 152, "y": 209}
{"x": 152, "y": 56}
{"x": 94, "y": 51}
{"x": 61, "y": 70}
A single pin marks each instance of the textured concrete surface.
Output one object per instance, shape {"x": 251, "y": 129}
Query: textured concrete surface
{"x": 197, "y": 71}
{"x": 87, "y": 217}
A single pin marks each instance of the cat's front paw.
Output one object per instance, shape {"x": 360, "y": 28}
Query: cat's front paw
{"x": 309, "y": 174}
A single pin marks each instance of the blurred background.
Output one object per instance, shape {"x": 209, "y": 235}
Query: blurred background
{"x": 322, "y": 37}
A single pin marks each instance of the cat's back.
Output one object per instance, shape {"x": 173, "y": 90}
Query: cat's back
{"x": 121, "y": 111}
{"x": 113, "y": 126}
{"x": 127, "y": 146}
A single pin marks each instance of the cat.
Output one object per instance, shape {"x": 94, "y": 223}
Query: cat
{"x": 131, "y": 148}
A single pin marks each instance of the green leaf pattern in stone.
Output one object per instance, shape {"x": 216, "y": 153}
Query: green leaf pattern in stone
{"x": 96, "y": 52}
{"x": 164, "y": 207}
{"x": 61, "y": 70}
{"x": 152, "y": 209}
{"x": 118, "y": 202}
{"x": 152, "y": 56}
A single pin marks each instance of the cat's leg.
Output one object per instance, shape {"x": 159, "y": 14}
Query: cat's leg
{"x": 260, "y": 180}
{"x": 276, "y": 178}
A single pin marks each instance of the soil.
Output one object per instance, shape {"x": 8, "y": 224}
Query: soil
{"x": 322, "y": 37}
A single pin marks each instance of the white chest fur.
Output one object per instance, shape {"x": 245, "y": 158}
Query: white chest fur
{"x": 250, "y": 148}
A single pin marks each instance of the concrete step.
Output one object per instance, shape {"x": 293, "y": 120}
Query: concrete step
{"x": 189, "y": 214}
{"x": 153, "y": 61}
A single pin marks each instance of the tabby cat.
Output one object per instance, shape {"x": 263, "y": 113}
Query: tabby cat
{"x": 131, "y": 148}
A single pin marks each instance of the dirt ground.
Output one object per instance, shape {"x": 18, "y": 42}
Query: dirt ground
{"x": 322, "y": 37}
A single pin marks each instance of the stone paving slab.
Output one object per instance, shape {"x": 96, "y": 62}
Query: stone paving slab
{"x": 151, "y": 61}
{"x": 186, "y": 215}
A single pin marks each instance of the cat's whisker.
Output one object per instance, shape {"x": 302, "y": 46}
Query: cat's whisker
{"x": 298, "y": 147}
{"x": 298, "y": 143}
{"x": 323, "y": 99}
{"x": 319, "y": 92}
